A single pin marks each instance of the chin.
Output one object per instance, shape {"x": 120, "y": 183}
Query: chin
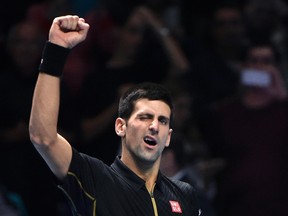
{"x": 148, "y": 159}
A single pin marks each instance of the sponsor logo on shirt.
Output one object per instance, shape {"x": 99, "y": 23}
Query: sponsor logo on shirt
{"x": 175, "y": 206}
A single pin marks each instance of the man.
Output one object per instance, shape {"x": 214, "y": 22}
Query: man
{"x": 132, "y": 185}
{"x": 249, "y": 132}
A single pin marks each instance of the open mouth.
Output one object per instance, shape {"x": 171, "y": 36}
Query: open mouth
{"x": 150, "y": 141}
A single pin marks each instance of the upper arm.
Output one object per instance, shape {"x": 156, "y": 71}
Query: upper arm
{"x": 57, "y": 155}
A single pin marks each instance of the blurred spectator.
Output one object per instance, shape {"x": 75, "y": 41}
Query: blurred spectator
{"x": 216, "y": 61}
{"x": 170, "y": 12}
{"x": 11, "y": 204}
{"x": 200, "y": 174}
{"x": 20, "y": 164}
{"x": 104, "y": 20}
{"x": 250, "y": 132}
{"x": 187, "y": 158}
{"x": 43, "y": 12}
{"x": 267, "y": 22}
{"x": 82, "y": 7}
{"x": 15, "y": 17}
{"x": 106, "y": 34}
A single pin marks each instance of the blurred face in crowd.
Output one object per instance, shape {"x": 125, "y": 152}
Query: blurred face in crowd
{"x": 261, "y": 60}
{"x": 260, "y": 57}
{"x": 183, "y": 111}
{"x": 25, "y": 46}
{"x": 263, "y": 15}
{"x": 228, "y": 26}
{"x": 267, "y": 81}
{"x": 169, "y": 164}
{"x": 132, "y": 34}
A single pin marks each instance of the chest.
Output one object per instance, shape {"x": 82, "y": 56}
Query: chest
{"x": 129, "y": 201}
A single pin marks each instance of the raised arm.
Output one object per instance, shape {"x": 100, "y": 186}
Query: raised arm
{"x": 65, "y": 33}
{"x": 179, "y": 64}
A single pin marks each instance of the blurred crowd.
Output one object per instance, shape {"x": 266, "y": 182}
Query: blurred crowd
{"x": 225, "y": 63}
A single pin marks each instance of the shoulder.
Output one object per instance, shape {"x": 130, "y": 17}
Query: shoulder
{"x": 86, "y": 171}
{"x": 185, "y": 193}
{"x": 183, "y": 186}
{"x": 83, "y": 164}
{"x": 178, "y": 186}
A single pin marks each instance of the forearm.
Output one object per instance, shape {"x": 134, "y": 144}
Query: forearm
{"x": 45, "y": 107}
{"x": 46, "y": 98}
{"x": 179, "y": 62}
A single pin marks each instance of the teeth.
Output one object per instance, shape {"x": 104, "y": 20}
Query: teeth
{"x": 149, "y": 141}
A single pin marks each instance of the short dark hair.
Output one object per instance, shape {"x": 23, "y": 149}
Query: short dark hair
{"x": 146, "y": 90}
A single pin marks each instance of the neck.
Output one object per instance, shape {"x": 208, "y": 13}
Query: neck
{"x": 147, "y": 172}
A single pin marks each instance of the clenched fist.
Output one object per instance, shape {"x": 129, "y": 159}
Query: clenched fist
{"x": 68, "y": 31}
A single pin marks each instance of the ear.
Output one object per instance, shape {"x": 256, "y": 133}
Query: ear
{"x": 168, "y": 138}
{"x": 120, "y": 127}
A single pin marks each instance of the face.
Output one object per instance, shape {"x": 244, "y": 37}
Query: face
{"x": 263, "y": 59}
{"x": 228, "y": 26}
{"x": 146, "y": 133}
{"x": 260, "y": 57}
{"x": 168, "y": 165}
{"x": 26, "y": 47}
{"x": 132, "y": 34}
{"x": 183, "y": 114}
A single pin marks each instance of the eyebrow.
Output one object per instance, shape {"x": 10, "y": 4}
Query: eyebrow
{"x": 151, "y": 115}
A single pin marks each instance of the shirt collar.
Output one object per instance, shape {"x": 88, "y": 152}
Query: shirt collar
{"x": 130, "y": 177}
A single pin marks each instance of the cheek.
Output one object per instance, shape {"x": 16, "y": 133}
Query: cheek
{"x": 133, "y": 131}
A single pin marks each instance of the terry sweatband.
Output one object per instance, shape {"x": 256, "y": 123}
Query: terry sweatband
{"x": 53, "y": 59}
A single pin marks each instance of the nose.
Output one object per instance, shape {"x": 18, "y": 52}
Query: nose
{"x": 154, "y": 126}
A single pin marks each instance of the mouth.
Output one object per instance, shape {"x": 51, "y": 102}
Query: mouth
{"x": 150, "y": 141}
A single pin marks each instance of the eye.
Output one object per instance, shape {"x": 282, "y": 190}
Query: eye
{"x": 144, "y": 117}
{"x": 164, "y": 121}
